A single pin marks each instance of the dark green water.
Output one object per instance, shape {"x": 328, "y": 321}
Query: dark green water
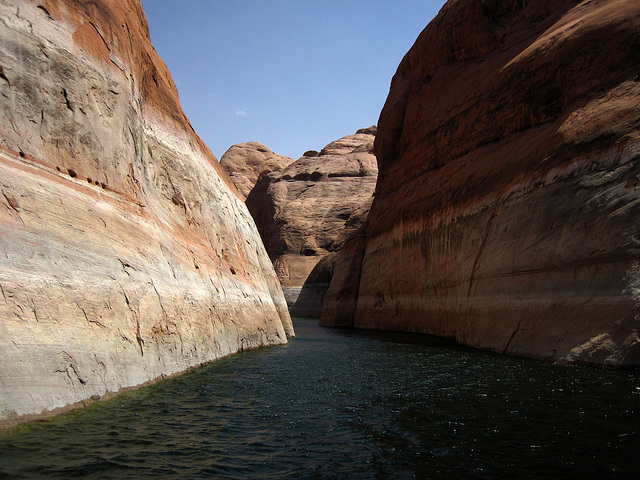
{"x": 336, "y": 404}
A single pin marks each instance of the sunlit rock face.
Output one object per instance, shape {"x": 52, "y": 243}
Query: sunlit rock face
{"x": 507, "y": 207}
{"x": 304, "y": 210}
{"x": 126, "y": 254}
{"x": 246, "y": 162}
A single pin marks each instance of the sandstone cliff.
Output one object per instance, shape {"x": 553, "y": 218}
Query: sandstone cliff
{"x": 126, "y": 254}
{"x": 246, "y": 162}
{"x": 303, "y": 210}
{"x": 507, "y": 207}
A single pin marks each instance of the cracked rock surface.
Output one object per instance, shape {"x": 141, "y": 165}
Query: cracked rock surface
{"x": 126, "y": 253}
{"x": 507, "y": 209}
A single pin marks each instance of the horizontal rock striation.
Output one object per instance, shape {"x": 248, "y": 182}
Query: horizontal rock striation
{"x": 507, "y": 206}
{"x": 126, "y": 253}
{"x": 303, "y": 210}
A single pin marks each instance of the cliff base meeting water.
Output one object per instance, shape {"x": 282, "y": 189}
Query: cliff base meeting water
{"x": 348, "y": 404}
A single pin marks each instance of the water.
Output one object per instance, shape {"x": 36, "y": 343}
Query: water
{"x": 337, "y": 404}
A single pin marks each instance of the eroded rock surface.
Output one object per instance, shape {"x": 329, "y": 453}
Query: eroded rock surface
{"x": 303, "y": 210}
{"x": 246, "y": 162}
{"x": 507, "y": 207}
{"x": 126, "y": 253}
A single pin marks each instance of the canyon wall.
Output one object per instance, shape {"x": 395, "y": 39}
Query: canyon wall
{"x": 247, "y": 162}
{"x": 507, "y": 206}
{"x": 303, "y": 211}
{"x": 126, "y": 253}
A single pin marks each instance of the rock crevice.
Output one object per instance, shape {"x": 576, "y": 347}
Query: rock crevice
{"x": 305, "y": 211}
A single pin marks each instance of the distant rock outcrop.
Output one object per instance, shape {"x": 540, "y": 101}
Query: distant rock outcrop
{"x": 246, "y": 162}
{"x": 303, "y": 210}
{"x": 507, "y": 210}
{"x": 126, "y": 253}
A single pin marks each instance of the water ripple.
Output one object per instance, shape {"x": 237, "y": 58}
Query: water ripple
{"x": 338, "y": 404}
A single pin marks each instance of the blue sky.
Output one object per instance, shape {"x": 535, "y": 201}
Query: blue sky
{"x": 294, "y": 75}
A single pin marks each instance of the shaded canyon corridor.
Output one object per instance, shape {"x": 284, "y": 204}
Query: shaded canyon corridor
{"x": 494, "y": 206}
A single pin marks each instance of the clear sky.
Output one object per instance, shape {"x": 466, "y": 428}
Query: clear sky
{"x": 292, "y": 74}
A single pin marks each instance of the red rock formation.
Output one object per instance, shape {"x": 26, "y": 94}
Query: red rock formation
{"x": 303, "y": 210}
{"x": 126, "y": 253}
{"x": 247, "y": 162}
{"x": 506, "y": 210}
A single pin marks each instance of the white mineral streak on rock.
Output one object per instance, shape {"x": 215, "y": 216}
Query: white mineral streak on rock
{"x": 125, "y": 255}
